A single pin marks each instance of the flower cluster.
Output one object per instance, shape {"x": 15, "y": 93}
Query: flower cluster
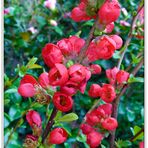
{"x": 108, "y": 12}
{"x": 97, "y": 122}
{"x": 117, "y": 76}
{"x": 68, "y": 74}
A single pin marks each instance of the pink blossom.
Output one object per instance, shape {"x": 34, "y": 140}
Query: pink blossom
{"x": 51, "y": 4}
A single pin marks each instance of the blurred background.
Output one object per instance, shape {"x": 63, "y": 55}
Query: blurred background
{"x": 28, "y": 26}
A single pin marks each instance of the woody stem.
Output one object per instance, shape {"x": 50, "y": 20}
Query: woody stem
{"x": 49, "y": 124}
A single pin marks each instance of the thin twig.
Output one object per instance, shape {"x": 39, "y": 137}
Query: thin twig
{"x": 133, "y": 138}
{"x": 130, "y": 35}
{"x": 83, "y": 50}
{"x": 49, "y": 124}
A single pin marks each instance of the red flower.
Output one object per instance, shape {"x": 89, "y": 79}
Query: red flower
{"x": 95, "y": 69}
{"x": 94, "y": 139}
{"x": 33, "y": 118}
{"x": 103, "y": 49}
{"x": 51, "y": 55}
{"x": 26, "y": 88}
{"x": 108, "y": 93}
{"x": 70, "y": 46}
{"x": 110, "y": 124}
{"x": 109, "y": 28}
{"x": 86, "y": 129}
{"x": 77, "y": 43}
{"x": 111, "y": 74}
{"x": 107, "y": 108}
{"x": 62, "y": 101}
{"x": 95, "y": 116}
{"x": 122, "y": 76}
{"x": 70, "y": 88}
{"x": 109, "y": 12}
{"x": 106, "y": 47}
{"x": 58, "y": 75}
{"x": 80, "y": 75}
{"x": 117, "y": 40}
{"x": 58, "y": 136}
{"x": 65, "y": 46}
{"x": 43, "y": 80}
{"x": 79, "y": 14}
{"x": 94, "y": 91}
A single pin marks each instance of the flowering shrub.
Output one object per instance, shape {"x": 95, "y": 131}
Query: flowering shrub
{"x": 73, "y": 96}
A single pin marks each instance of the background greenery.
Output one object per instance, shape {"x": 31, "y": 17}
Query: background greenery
{"x": 21, "y": 45}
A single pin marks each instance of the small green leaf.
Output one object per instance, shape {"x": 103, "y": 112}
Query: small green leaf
{"x": 32, "y": 61}
{"x": 136, "y": 130}
{"x": 11, "y": 90}
{"x": 133, "y": 79}
{"x": 58, "y": 30}
{"x": 35, "y": 66}
{"x": 123, "y": 143}
{"x": 130, "y": 115}
{"x": 68, "y": 118}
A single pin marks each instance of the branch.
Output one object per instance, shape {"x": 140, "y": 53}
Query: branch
{"x": 49, "y": 124}
{"x": 83, "y": 50}
{"x": 117, "y": 100}
{"x": 130, "y": 35}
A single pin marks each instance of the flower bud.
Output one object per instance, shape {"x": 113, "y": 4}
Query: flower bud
{"x": 53, "y": 23}
{"x": 108, "y": 93}
{"x": 58, "y": 75}
{"x": 111, "y": 74}
{"x": 95, "y": 69}
{"x": 94, "y": 139}
{"x": 109, "y": 12}
{"x": 117, "y": 40}
{"x": 50, "y": 4}
{"x": 27, "y": 86}
{"x": 33, "y": 118}
{"x": 110, "y": 124}
{"x": 57, "y": 136}
{"x": 122, "y": 76}
{"x": 26, "y": 90}
{"x": 62, "y": 101}
{"x": 51, "y": 55}
{"x": 94, "y": 91}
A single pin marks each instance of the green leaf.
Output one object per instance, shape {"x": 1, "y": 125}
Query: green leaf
{"x": 133, "y": 79}
{"x": 32, "y": 61}
{"x": 68, "y": 118}
{"x": 35, "y": 66}
{"x": 11, "y": 90}
{"x": 136, "y": 130}
{"x": 130, "y": 115}
{"x": 58, "y": 30}
{"x": 123, "y": 143}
